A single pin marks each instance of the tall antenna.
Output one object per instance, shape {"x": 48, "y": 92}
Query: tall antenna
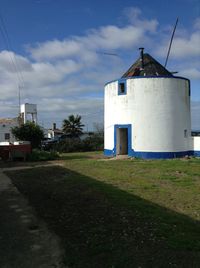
{"x": 19, "y": 88}
{"x": 171, "y": 42}
{"x": 13, "y": 59}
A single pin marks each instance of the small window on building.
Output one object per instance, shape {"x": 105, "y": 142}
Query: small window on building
{"x": 185, "y": 133}
{"x": 122, "y": 88}
{"x": 7, "y": 136}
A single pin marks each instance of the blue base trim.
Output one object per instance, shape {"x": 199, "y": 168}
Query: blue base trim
{"x": 154, "y": 155}
{"x": 161, "y": 155}
{"x": 109, "y": 152}
{"x": 196, "y": 153}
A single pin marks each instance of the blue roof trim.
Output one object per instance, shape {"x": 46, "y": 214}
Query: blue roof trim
{"x": 140, "y": 77}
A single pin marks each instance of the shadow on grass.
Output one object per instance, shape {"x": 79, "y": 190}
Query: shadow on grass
{"x": 102, "y": 226}
{"x": 11, "y": 164}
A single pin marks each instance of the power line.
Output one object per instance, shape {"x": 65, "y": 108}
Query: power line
{"x": 14, "y": 62}
{"x": 9, "y": 47}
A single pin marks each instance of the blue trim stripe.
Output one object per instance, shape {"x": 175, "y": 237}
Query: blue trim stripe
{"x": 155, "y": 155}
{"x": 142, "y": 77}
{"x": 161, "y": 155}
{"x": 196, "y": 153}
{"x": 108, "y": 152}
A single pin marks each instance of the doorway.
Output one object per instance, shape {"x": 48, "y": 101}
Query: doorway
{"x": 122, "y": 141}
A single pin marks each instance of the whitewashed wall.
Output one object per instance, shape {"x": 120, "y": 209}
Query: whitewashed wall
{"x": 158, "y": 110}
{"x": 6, "y": 128}
{"x": 196, "y": 143}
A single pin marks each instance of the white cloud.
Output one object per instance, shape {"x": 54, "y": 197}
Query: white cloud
{"x": 191, "y": 73}
{"x": 67, "y": 76}
{"x": 195, "y": 111}
{"x": 113, "y": 37}
{"x": 185, "y": 44}
{"x": 12, "y": 62}
{"x": 78, "y": 105}
{"x": 134, "y": 15}
{"x": 54, "y": 49}
{"x": 110, "y": 37}
{"x": 197, "y": 24}
{"x": 9, "y": 91}
{"x": 184, "y": 48}
{"x": 45, "y": 73}
{"x": 58, "y": 109}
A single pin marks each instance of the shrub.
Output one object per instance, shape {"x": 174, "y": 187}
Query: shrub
{"x": 92, "y": 143}
{"x": 38, "y": 155}
{"x": 29, "y": 132}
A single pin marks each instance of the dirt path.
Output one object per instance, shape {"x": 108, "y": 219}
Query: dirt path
{"x": 25, "y": 240}
{"x": 28, "y": 167}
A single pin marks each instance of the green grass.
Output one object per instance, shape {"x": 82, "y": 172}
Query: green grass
{"x": 121, "y": 213}
{"x": 174, "y": 184}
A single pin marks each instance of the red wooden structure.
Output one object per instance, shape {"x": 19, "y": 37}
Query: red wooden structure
{"x": 11, "y": 152}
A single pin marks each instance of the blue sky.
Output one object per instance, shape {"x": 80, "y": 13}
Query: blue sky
{"x": 58, "y": 48}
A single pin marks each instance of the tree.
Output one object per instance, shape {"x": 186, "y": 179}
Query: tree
{"x": 72, "y": 126}
{"x": 29, "y": 132}
{"x": 98, "y": 129}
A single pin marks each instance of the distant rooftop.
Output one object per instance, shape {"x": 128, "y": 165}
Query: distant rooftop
{"x": 7, "y": 120}
{"x": 149, "y": 67}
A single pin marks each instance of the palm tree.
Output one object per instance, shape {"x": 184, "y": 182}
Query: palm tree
{"x": 72, "y": 126}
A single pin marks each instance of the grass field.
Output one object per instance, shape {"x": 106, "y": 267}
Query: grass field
{"x": 120, "y": 213}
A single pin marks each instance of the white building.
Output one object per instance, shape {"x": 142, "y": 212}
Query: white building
{"x": 147, "y": 113}
{"x": 54, "y": 133}
{"x": 28, "y": 112}
{"x": 6, "y": 124}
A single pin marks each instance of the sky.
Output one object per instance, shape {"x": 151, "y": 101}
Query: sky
{"x": 55, "y": 52}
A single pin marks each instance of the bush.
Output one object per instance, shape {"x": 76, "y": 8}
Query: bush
{"x": 38, "y": 155}
{"x": 29, "y": 132}
{"x": 92, "y": 143}
{"x": 68, "y": 145}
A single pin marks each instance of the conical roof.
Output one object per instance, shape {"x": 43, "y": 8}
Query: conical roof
{"x": 150, "y": 68}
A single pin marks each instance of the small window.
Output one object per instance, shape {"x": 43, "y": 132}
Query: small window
{"x": 7, "y": 136}
{"x": 185, "y": 133}
{"x": 189, "y": 89}
{"x": 122, "y": 88}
